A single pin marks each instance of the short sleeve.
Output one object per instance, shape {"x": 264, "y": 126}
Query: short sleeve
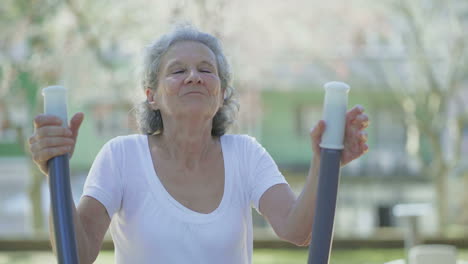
{"x": 104, "y": 182}
{"x": 263, "y": 171}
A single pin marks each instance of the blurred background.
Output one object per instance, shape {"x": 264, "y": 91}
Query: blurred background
{"x": 406, "y": 63}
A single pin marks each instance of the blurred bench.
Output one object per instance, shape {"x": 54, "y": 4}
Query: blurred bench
{"x": 431, "y": 254}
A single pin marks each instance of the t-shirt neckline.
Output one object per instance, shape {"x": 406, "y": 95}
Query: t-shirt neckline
{"x": 158, "y": 190}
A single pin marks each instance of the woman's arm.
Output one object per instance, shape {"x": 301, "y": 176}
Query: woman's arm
{"x": 292, "y": 217}
{"x": 91, "y": 223}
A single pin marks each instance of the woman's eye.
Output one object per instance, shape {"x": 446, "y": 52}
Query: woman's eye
{"x": 178, "y": 71}
{"x": 205, "y": 71}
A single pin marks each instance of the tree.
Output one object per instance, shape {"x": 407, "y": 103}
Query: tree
{"x": 33, "y": 52}
{"x": 24, "y": 67}
{"x": 428, "y": 79}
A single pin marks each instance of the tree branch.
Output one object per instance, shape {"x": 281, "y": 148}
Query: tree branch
{"x": 421, "y": 52}
{"x": 91, "y": 39}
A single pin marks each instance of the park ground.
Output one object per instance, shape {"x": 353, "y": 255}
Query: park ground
{"x": 260, "y": 256}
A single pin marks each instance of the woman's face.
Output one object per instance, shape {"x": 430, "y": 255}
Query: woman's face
{"x": 189, "y": 83}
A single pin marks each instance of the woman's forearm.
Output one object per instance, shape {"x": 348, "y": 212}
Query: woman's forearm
{"x": 80, "y": 234}
{"x": 299, "y": 220}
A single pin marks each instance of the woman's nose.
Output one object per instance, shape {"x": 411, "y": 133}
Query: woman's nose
{"x": 193, "y": 77}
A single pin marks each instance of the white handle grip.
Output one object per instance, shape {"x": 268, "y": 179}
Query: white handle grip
{"x": 55, "y": 102}
{"x": 334, "y": 114}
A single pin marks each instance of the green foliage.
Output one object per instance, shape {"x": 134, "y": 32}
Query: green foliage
{"x": 25, "y": 85}
{"x": 260, "y": 256}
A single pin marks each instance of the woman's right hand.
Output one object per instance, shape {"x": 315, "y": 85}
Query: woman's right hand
{"x": 50, "y": 139}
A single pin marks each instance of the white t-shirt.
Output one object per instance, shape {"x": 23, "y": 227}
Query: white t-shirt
{"x": 149, "y": 226}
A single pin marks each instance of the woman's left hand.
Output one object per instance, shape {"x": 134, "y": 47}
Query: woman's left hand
{"x": 355, "y": 137}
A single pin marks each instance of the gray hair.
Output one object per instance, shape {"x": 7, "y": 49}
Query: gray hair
{"x": 150, "y": 121}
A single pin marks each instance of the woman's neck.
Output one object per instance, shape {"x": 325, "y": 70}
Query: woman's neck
{"x": 186, "y": 142}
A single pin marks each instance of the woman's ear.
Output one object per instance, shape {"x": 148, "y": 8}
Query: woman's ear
{"x": 150, "y": 96}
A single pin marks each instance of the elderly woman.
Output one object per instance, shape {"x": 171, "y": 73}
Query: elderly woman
{"x": 182, "y": 191}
